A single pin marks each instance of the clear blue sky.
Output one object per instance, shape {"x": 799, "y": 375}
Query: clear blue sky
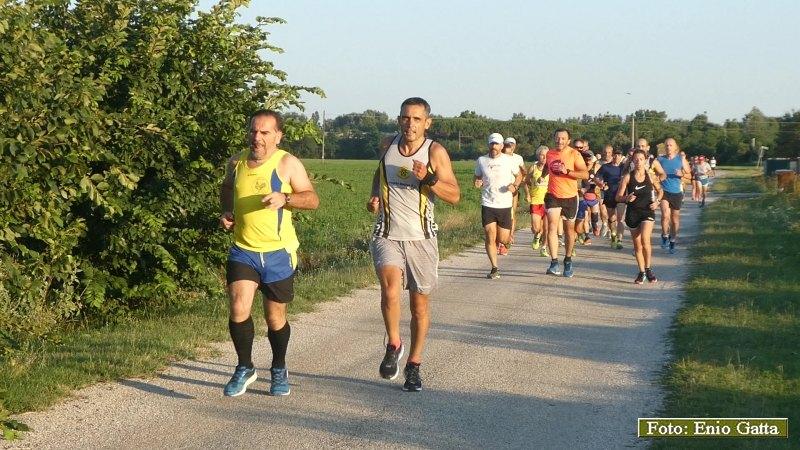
{"x": 546, "y": 59}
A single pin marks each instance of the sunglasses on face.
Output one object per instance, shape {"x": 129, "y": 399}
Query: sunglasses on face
{"x": 579, "y": 148}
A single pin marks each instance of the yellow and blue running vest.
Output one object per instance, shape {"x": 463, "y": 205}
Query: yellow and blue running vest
{"x": 538, "y": 190}
{"x": 258, "y": 228}
{"x": 406, "y": 212}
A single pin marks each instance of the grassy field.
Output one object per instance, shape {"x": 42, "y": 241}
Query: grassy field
{"x": 738, "y": 179}
{"x": 334, "y": 260}
{"x": 737, "y": 338}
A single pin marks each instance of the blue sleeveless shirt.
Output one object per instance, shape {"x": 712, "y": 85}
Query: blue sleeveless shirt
{"x": 673, "y": 182}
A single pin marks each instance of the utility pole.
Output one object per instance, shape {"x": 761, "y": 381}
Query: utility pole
{"x": 323, "y": 135}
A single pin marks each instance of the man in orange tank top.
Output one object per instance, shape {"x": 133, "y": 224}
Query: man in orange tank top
{"x": 566, "y": 167}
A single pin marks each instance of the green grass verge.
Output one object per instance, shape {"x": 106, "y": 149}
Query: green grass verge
{"x": 737, "y": 338}
{"x": 334, "y": 259}
{"x": 738, "y": 179}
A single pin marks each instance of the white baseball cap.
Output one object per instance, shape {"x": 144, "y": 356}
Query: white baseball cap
{"x": 495, "y": 138}
{"x": 510, "y": 140}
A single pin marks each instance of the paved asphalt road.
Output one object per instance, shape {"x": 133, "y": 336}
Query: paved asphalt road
{"x": 525, "y": 361}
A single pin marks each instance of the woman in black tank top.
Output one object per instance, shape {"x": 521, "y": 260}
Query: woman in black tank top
{"x": 642, "y": 193}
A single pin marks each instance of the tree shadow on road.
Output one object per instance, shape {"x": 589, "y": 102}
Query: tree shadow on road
{"x": 373, "y": 413}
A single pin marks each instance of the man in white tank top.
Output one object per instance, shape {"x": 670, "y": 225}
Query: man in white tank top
{"x": 413, "y": 171}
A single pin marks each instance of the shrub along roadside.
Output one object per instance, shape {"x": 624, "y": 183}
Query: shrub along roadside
{"x": 737, "y": 337}
{"x": 116, "y": 118}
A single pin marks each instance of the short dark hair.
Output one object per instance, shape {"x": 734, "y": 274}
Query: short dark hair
{"x": 268, "y": 113}
{"x": 417, "y": 101}
{"x": 562, "y": 130}
{"x": 641, "y": 152}
{"x": 576, "y": 140}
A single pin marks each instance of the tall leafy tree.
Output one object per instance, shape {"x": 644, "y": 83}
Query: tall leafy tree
{"x": 116, "y": 118}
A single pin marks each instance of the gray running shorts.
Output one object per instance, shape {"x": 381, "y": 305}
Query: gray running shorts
{"x": 419, "y": 261}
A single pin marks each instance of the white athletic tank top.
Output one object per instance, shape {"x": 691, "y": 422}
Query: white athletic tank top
{"x": 406, "y": 205}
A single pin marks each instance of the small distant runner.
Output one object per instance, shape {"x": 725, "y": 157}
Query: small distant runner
{"x": 499, "y": 178}
{"x": 608, "y": 178}
{"x": 671, "y": 168}
{"x": 535, "y": 189}
{"x": 642, "y": 192}
{"x": 509, "y": 149}
{"x": 605, "y": 158}
{"x": 702, "y": 172}
{"x": 589, "y": 197}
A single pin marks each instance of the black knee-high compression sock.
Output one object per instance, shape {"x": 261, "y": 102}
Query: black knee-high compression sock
{"x": 242, "y": 335}
{"x": 279, "y": 341}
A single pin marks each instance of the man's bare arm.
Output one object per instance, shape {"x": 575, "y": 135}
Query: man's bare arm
{"x": 447, "y": 187}
{"x": 580, "y": 172}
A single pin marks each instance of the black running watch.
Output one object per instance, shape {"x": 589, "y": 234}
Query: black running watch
{"x": 288, "y": 197}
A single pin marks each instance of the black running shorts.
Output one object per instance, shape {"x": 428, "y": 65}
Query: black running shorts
{"x": 281, "y": 291}
{"x": 569, "y": 206}
{"x": 674, "y": 200}
{"x": 635, "y": 216}
{"x": 501, "y": 216}
{"x": 610, "y": 199}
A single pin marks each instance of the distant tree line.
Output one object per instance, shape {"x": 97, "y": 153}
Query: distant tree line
{"x": 357, "y": 135}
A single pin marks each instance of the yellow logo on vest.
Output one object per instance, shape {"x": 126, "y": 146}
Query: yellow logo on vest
{"x": 260, "y": 185}
{"x": 403, "y": 173}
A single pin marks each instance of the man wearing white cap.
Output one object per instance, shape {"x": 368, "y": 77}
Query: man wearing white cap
{"x": 499, "y": 178}
{"x": 509, "y": 148}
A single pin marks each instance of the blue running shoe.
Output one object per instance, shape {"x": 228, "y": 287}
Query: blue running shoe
{"x": 242, "y": 377}
{"x": 280, "y": 381}
{"x": 568, "y": 269}
{"x": 664, "y": 242}
{"x": 672, "y": 249}
{"x": 554, "y": 269}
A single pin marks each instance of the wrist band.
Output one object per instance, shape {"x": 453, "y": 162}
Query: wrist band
{"x": 430, "y": 179}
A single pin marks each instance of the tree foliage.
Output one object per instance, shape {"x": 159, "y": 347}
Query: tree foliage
{"x": 116, "y": 118}
{"x": 357, "y": 135}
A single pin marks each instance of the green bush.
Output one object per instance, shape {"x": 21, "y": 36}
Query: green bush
{"x": 116, "y": 119}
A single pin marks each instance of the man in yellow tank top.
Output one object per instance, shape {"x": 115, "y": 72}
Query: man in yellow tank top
{"x": 535, "y": 189}
{"x": 262, "y": 186}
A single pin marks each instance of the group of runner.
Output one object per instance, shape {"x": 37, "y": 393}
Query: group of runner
{"x": 572, "y": 195}
{"x": 575, "y": 195}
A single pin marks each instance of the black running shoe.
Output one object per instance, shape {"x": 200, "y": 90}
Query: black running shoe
{"x": 639, "y": 278}
{"x": 651, "y": 277}
{"x": 389, "y": 368}
{"x": 413, "y": 381}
